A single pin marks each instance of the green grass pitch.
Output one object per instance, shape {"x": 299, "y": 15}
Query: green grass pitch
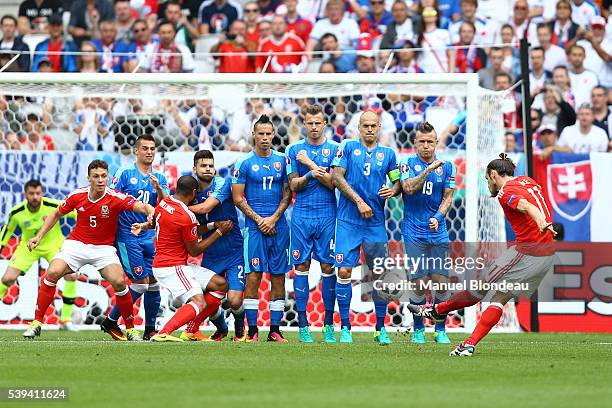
{"x": 508, "y": 370}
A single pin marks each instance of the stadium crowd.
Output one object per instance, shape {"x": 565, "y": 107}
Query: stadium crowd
{"x": 570, "y": 65}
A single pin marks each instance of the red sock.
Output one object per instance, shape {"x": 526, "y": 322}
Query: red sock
{"x": 487, "y": 321}
{"x": 212, "y": 304}
{"x": 458, "y": 301}
{"x": 185, "y": 314}
{"x": 46, "y": 293}
{"x": 126, "y": 307}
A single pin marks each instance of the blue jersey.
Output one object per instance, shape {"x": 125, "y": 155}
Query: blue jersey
{"x": 129, "y": 180}
{"x": 315, "y": 200}
{"x": 263, "y": 178}
{"x": 424, "y": 204}
{"x": 366, "y": 173}
{"x": 221, "y": 189}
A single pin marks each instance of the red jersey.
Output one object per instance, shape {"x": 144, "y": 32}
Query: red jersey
{"x": 54, "y": 57}
{"x": 236, "y": 61}
{"x": 97, "y": 221}
{"x": 525, "y": 228}
{"x": 283, "y": 62}
{"x": 174, "y": 225}
{"x": 300, "y": 27}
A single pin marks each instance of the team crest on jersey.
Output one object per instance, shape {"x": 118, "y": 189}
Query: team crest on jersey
{"x": 134, "y": 180}
{"x": 296, "y": 254}
{"x": 418, "y": 167}
{"x": 325, "y": 152}
{"x": 439, "y": 171}
{"x": 278, "y": 165}
{"x": 357, "y": 152}
{"x": 105, "y": 210}
{"x": 194, "y": 231}
{"x": 255, "y": 167}
{"x": 137, "y": 270}
{"x": 380, "y": 155}
{"x": 339, "y": 258}
{"x": 405, "y": 168}
{"x": 255, "y": 262}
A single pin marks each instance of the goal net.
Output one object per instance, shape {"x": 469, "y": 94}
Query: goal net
{"x": 53, "y": 125}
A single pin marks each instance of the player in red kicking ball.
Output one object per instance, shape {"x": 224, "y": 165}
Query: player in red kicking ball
{"x": 177, "y": 236}
{"x": 526, "y": 262}
{"x": 90, "y": 243}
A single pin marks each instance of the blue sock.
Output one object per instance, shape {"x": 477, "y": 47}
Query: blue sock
{"x": 344, "y": 293}
{"x": 152, "y": 300}
{"x": 115, "y": 314}
{"x": 301, "y": 292}
{"x": 418, "y": 321}
{"x": 277, "y": 307}
{"x": 251, "y": 308}
{"x": 328, "y": 289}
{"x": 238, "y": 319}
{"x": 380, "y": 307}
{"x": 440, "y": 325}
{"x": 219, "y": 320}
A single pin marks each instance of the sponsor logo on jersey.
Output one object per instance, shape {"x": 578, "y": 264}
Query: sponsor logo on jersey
{"x": 357, "y": 152}
{"x": 267, "y": 167}
{"x": 80, "y": 209}
{"x": 380, "y": 155}
{"x": 134, "y": 180}
{"x": 255, "y": 261}
{"x": 255, "y": 167}
{"x": 138, "y": 270}
{"x": 278, "y": 165}
{"x": 439, "y": 171}
{"x": 326, "y": 152}
{"x": 105, "y": 210}
{"x": 418, "y": 167}
{"x": 339, "y": 258}
{"x": 296, "y": 254}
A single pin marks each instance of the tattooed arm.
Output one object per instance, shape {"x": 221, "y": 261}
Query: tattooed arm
{"x": 267, "y": 225}
{"x": 414, "y": 184}
{"x": 342, "y": 185}
{"x": 241, "y": 202}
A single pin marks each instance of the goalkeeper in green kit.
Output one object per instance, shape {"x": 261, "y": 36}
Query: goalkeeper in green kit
{"x": 29, "y": 216}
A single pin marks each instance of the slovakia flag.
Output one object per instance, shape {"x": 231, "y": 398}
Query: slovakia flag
{"x": 578, "y": 187}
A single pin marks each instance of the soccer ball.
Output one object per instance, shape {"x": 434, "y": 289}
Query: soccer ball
{"x": 391, "y": 285}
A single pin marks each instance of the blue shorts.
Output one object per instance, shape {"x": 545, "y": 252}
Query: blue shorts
{"x": 136, "y": 255}
{"x": 430, "y": 256}
{"x": 230, "y": 267}
{"x": 350, "y": 237}
{"x": 267, "y": 253}
{"x": 312, "y": 237}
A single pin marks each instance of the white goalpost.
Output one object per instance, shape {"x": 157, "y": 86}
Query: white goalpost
{"x": 101, "y": 114}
